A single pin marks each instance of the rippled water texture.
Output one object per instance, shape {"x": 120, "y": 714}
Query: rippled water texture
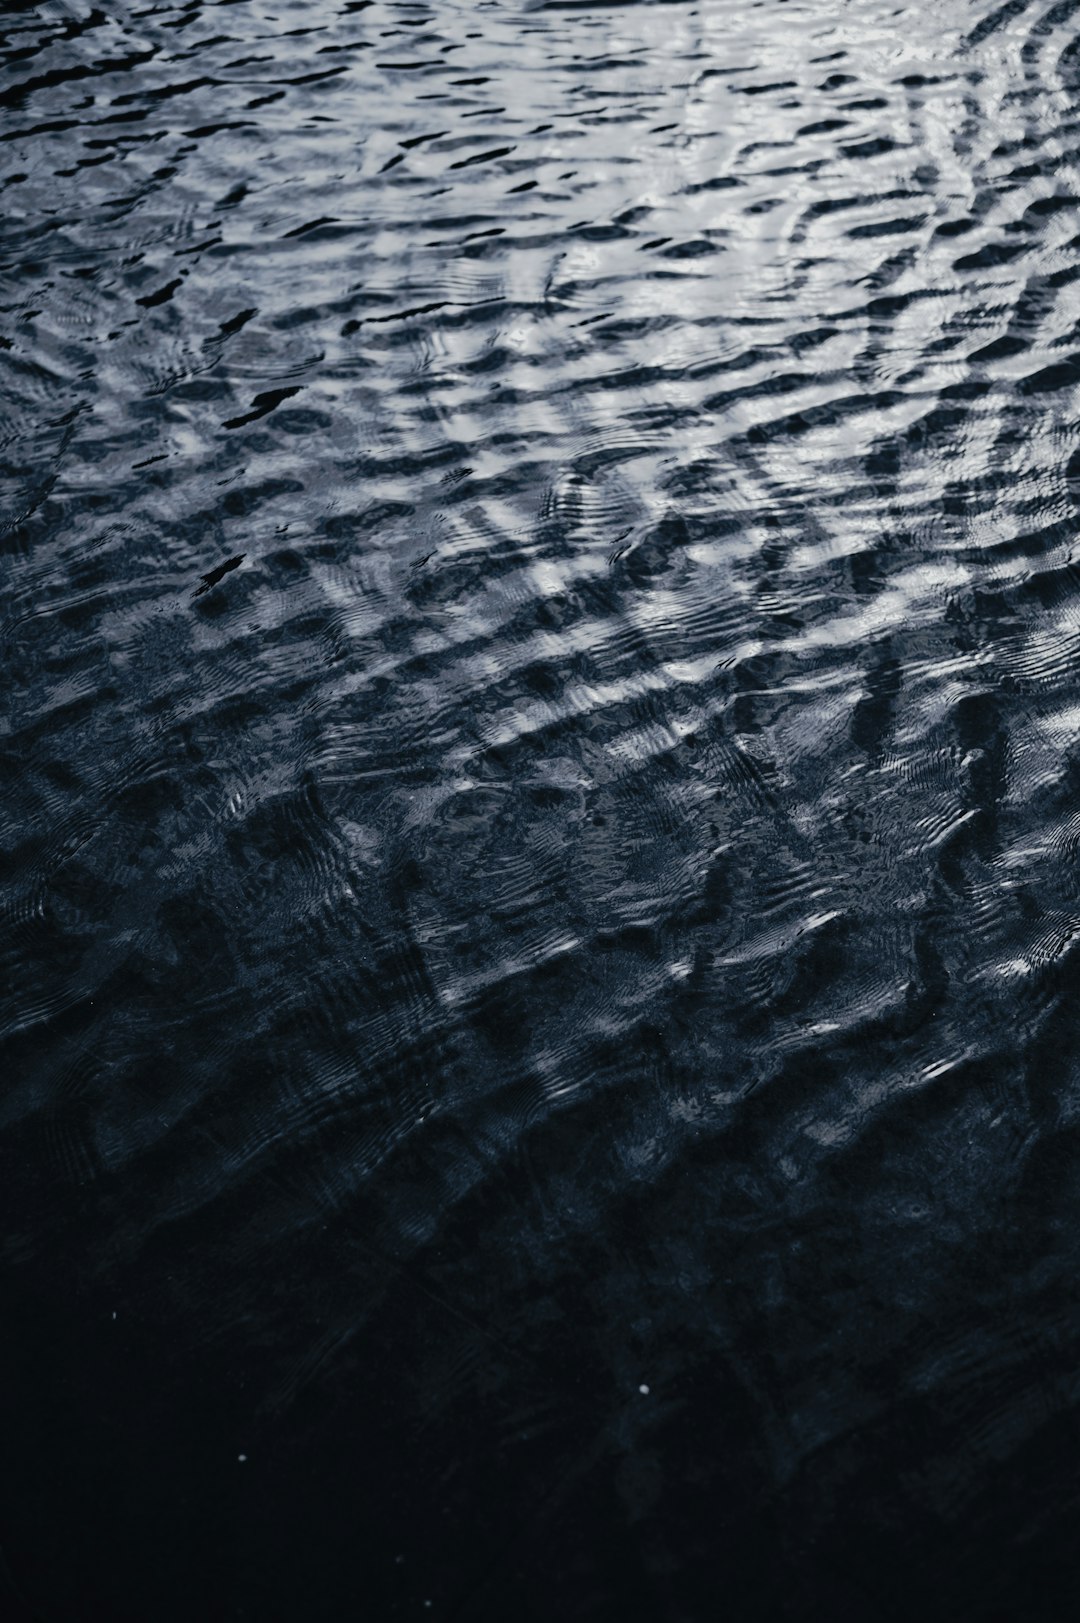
{"x": 539, "y": 849}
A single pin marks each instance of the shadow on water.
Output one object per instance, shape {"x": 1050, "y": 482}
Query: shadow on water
{"x": 538, "y": 1014}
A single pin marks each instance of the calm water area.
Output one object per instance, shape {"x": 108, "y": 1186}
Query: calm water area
{"x": 540, "y": 811}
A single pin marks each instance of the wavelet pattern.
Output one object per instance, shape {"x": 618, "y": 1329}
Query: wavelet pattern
{"x": 538, "y": 868}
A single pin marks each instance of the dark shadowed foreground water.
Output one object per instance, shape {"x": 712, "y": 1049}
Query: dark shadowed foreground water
{"x": 540, "y": 853}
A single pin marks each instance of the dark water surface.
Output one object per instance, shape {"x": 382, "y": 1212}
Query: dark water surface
{"x": 540, "y": 850}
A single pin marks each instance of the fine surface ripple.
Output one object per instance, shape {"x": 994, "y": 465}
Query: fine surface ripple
{"x": 538, "y": 857}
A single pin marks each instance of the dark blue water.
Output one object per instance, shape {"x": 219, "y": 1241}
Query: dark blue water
{"x": 541, "y": 811}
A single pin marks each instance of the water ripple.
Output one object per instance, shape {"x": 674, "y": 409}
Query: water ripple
{"x": 537, "y": 878}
